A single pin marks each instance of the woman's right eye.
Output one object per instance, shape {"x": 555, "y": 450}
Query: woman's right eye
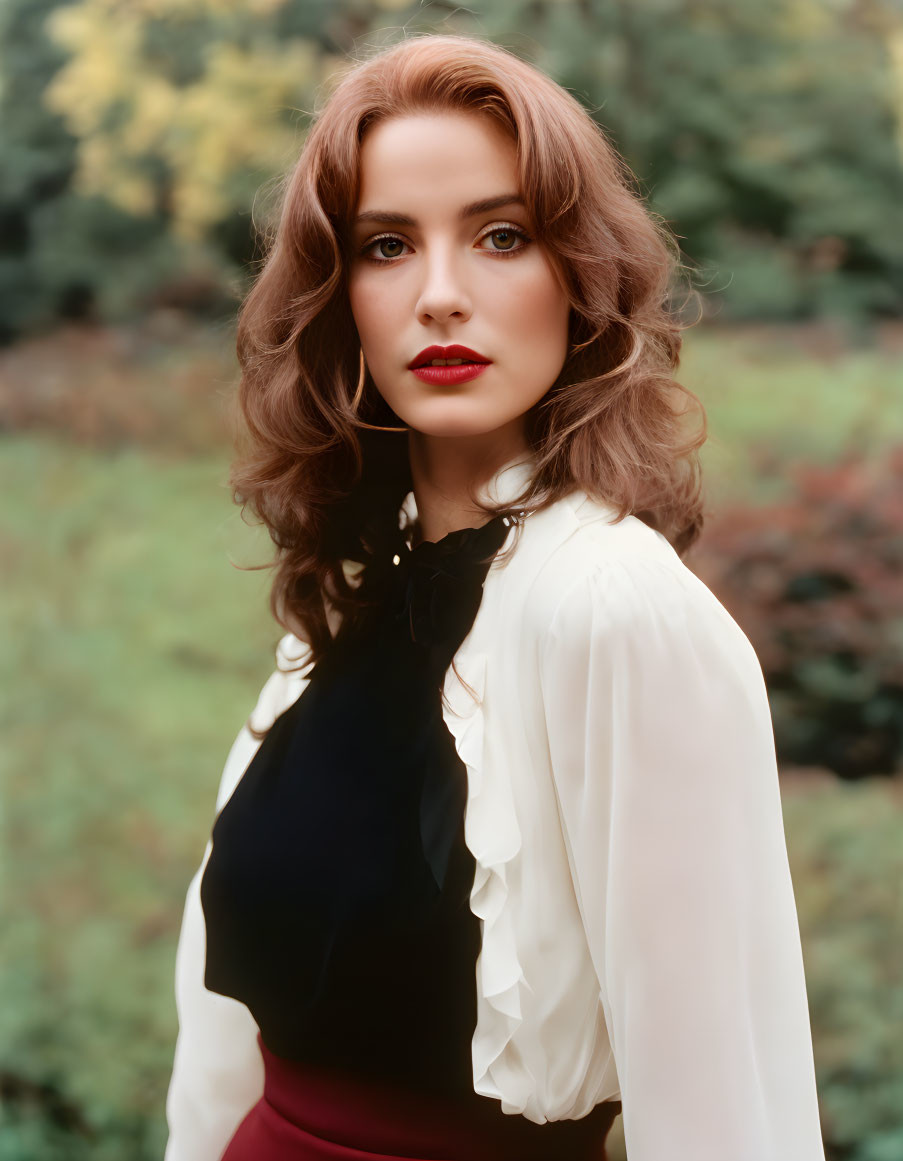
{"x": 384, "y": 240}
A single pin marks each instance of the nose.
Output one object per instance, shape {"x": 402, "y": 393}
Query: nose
{"x": 443, "y": 293}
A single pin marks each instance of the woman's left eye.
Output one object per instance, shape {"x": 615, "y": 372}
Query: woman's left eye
{"x": 506, "y": 235}
{"x": 509, "y": 234}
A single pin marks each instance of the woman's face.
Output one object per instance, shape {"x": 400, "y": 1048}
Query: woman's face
{"x": 452, "y": 274}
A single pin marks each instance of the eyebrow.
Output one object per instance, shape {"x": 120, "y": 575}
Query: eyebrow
{"x": 469, "y": 211}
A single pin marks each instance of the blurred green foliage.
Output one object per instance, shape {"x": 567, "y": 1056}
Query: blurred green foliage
{"x": 133, "y": 652}
{"x": 138, "y": 137}
{"x": 130, "y": 649}
{"x": 779, "y": 395}
{"x": 767, "y": 132}
{"x": 847, "y": 864}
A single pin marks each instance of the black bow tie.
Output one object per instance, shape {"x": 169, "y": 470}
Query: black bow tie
{"x": 434, "y": 589}
{"x": 439, "y": 586}
{"x": 436, "y": 592}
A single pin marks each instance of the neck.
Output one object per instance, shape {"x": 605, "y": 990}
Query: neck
{"x": 446, "y": 470}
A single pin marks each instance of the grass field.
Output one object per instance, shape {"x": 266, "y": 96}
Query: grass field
{"x": 775, "y": 397}
{"x": 132, "y": 652}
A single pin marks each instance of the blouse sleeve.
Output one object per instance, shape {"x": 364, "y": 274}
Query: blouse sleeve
{"x": 217, "y": 1071}
{"x": 664, "y": 765}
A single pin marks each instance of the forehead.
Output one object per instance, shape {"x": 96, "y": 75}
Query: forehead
{"x": 432, "y": 164}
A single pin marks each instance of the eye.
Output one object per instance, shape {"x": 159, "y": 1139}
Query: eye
{"x": 386, "y": 248}
{"x": 508, "y": 235}
{"x": 383, "y": 240}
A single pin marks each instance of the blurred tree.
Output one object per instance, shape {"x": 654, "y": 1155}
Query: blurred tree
{"x": 766, "y": 131}
{"x": 183, "y": 107}
{"x": 64, "y": 255}
{"x": 37, "y": 156}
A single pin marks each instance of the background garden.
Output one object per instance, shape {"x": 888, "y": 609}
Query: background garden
{"x": 138, "y": 136}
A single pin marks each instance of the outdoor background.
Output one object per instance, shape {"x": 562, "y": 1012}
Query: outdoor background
{"x": 137, "y": 137}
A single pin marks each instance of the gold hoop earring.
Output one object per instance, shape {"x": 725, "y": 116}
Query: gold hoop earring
{"x": 358, "y": 396}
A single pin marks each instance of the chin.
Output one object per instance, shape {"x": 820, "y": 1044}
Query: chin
{"x": 455, "y": 426}
{"x": 450, "y": 413}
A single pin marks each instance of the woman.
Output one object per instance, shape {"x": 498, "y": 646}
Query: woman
{"x": 499, "y": 853}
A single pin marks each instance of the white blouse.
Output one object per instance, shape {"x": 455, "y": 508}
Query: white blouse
{"x": 640, "y": 939}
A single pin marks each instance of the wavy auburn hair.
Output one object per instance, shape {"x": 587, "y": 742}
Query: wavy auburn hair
{"x": 317, "y": 457}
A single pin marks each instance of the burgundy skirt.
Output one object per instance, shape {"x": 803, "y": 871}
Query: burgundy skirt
{"x": 310, "y": 1114}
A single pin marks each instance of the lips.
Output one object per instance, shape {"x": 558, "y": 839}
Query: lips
{"x": 455, "y": 351}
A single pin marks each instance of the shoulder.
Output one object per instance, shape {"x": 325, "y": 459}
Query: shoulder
{"x": 285, "y": 683}
{"x": 598, "y": 550}
{"x": 291, "y": 653}
{"x": 623, "y": 580}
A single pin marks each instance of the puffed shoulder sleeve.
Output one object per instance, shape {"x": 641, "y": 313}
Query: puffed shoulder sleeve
{"x": 217, "y": 1071}
{"x": 663, "y": 760}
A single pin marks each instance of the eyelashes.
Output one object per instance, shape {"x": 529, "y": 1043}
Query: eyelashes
{"x": 525, "y": 241}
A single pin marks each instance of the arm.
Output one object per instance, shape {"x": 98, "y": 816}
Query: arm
{"x": 663, "y": 757}
{"x": 217, "y": 1069}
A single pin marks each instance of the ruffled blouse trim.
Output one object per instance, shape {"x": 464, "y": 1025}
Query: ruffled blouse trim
{"x": 491, "y": 830}
{"x": 493, "y": 836}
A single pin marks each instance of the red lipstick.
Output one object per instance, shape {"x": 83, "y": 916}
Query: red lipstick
{"x": 472, "y": 364}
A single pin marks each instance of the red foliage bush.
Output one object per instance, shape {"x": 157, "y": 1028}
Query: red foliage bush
{"x": 163, "y": 383}
{"x": 816, "y": 582}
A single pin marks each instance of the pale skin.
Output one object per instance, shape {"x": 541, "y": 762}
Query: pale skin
{"x": 480, "y": 281}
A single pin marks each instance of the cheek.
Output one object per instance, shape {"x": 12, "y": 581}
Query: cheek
{"x": 538, "y": 315}
{"x": 369, "y": 308}
{"x": 358, "y": 299}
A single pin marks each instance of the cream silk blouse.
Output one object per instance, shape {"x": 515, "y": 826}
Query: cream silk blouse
{"x": 640, "y": 939}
